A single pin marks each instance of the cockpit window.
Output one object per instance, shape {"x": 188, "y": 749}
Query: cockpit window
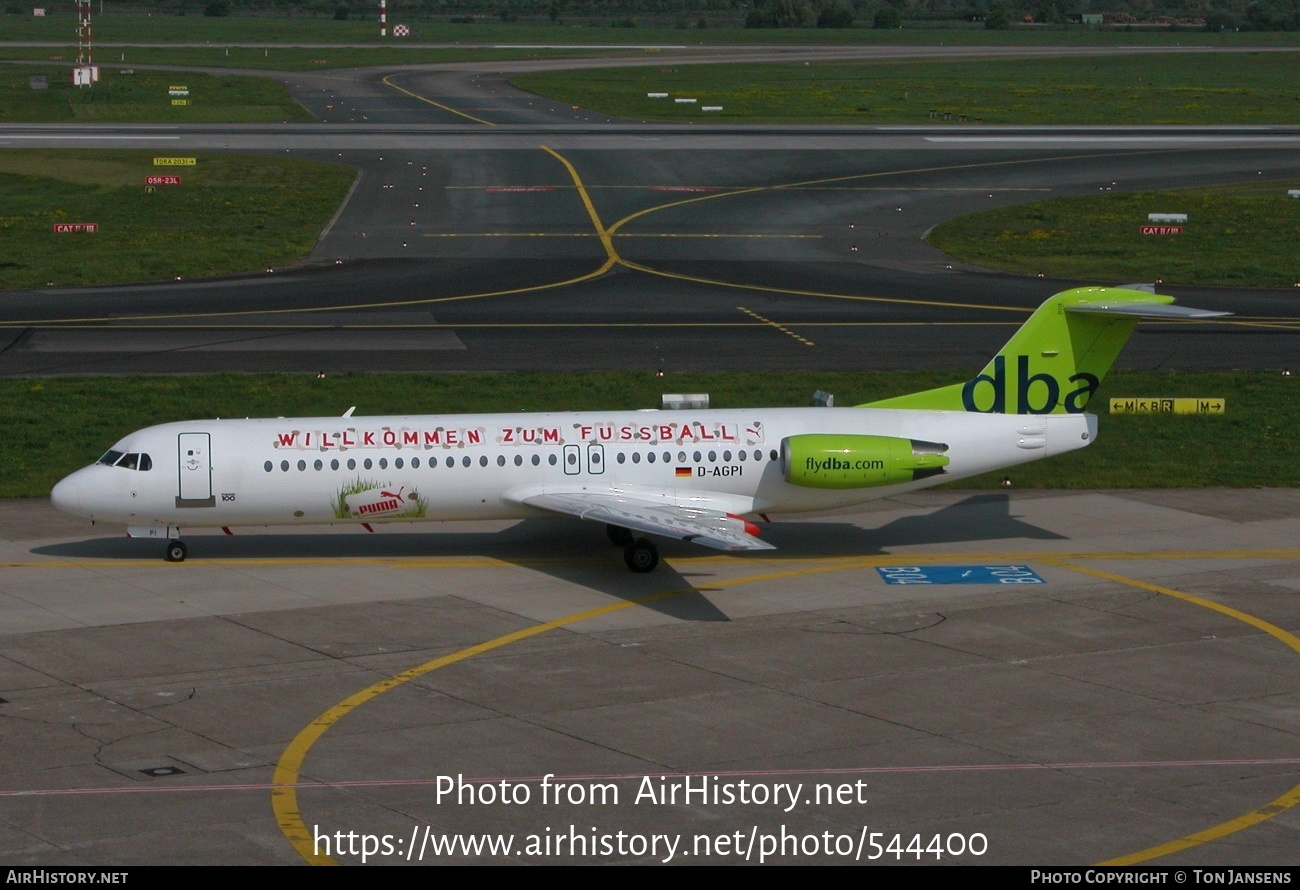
{"x": 132, "y": 460}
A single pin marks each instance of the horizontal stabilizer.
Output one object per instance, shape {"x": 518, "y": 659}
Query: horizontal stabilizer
{"x": 1143, "y": 310}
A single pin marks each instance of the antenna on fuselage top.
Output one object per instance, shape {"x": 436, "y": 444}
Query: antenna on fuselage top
{"x": 348, "y": 413}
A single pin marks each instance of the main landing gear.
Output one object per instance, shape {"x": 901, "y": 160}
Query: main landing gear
{"x": 619, "y": 536}
{"x": 640, "y": 555}
{"x": 176, "y": 551}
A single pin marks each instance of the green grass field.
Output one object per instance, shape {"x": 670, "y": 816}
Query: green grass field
{"x": 141, "y": 97}
{"x": 1241, "y": 235}
{"x": 55, "y": 425}
{"x": 230, "y": 213}
{"x": 1253, "y": 88}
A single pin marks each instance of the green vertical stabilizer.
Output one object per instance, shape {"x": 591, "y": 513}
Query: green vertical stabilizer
{"x": 1056, "y": 360}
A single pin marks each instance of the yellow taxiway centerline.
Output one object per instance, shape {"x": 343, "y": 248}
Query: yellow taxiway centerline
{"x": 611, "y": 255}
{"x": 477, "y": 120}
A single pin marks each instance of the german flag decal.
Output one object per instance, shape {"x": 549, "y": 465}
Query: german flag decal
{"x": 682, "y": 471}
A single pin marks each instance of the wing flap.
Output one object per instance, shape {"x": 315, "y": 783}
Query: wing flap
{"x": 711, "y": 528}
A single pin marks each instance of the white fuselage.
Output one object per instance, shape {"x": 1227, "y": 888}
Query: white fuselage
{"x": 213, "y": 473}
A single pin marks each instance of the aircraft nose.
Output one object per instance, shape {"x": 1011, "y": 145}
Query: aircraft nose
{"x": 66, "y": 495}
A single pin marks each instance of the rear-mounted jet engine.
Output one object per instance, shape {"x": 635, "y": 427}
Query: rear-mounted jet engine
{"x": 822, "y": 460}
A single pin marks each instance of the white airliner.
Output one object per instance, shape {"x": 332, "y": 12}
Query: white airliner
{"x": 695, "y": 475}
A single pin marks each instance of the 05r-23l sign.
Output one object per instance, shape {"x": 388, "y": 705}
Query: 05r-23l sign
{"x": 1009, "y": 574}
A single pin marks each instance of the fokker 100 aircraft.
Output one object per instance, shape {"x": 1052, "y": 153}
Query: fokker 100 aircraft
{"x": 695, "y": 475}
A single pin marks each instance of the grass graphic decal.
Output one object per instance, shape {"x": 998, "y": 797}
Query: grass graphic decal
{"x": 369, "y": 499}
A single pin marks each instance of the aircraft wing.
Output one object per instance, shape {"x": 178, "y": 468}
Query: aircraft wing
{"x": 712, "y": 528}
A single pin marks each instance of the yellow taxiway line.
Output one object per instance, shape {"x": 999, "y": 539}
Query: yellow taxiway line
{"x": 767, "y": 321}
{"x": 477, "y": 120}
{"x": 831, "y": 563}
{"x": 1254, "y": 817}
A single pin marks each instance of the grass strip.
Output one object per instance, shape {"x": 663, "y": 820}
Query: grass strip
{"x": 55, "y": 425}
{"x": 45, "y": 94}
{"x": 1250, "y": 88}
{"x": 231, "y": 213}
{"x": 1236, "y": 235}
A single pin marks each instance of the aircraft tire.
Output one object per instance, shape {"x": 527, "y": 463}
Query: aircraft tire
{"x": 176, "y": 551}
{"x": 641, "y": 556}
{"x": 619, "y": 536}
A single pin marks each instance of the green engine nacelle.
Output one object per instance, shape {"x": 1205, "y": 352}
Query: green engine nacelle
{"x": 845, "y": 461}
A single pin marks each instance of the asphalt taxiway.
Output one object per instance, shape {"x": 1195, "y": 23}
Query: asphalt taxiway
{"x": 490, "y": 229}
{"x": 667, "y": 258}
{"x": 1137, "y": 706}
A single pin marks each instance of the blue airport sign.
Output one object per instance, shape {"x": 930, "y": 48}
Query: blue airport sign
{"x": 1007, "y": 574}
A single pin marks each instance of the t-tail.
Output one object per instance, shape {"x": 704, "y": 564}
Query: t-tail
{"x": 1056, "y": 360}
